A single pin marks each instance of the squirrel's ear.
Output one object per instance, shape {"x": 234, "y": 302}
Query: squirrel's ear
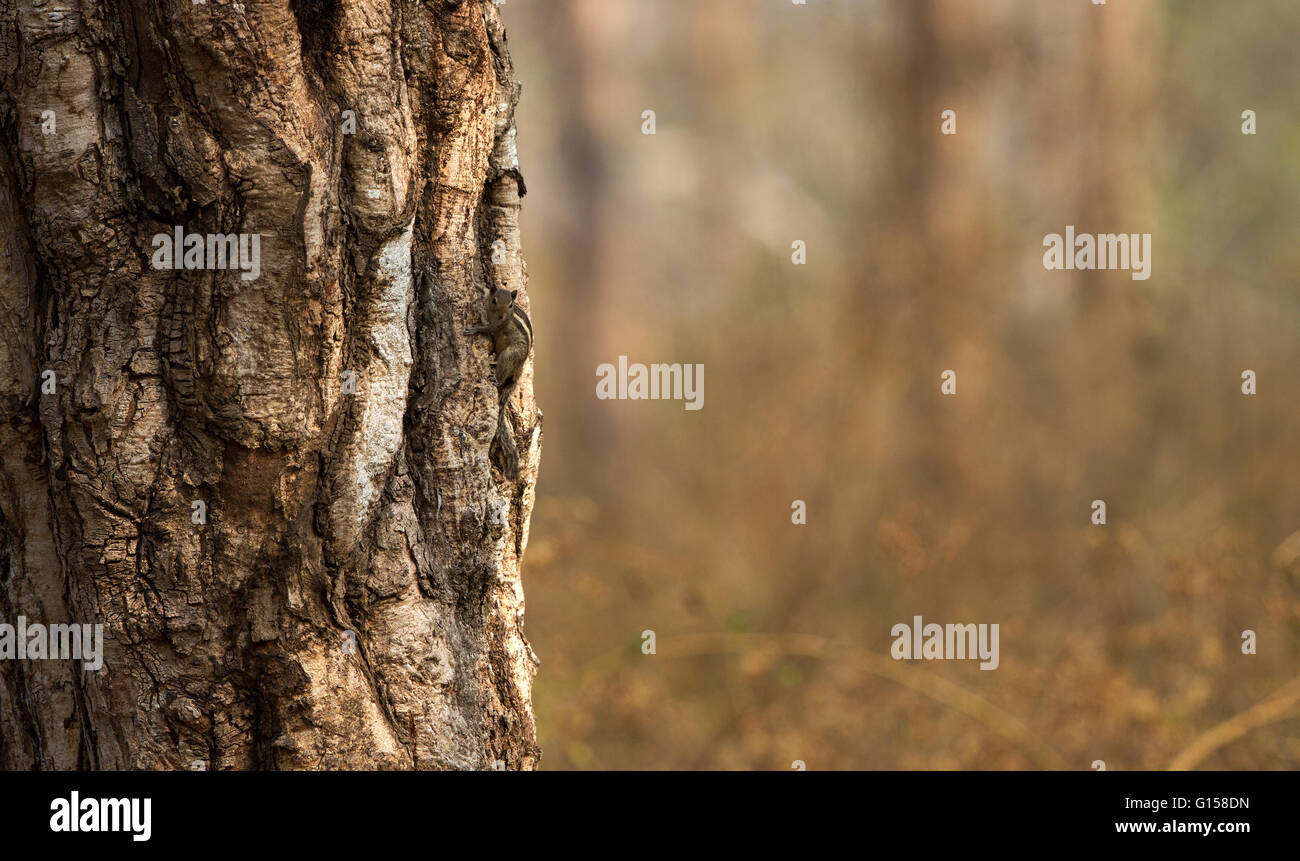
{"x": 514, "y": 293}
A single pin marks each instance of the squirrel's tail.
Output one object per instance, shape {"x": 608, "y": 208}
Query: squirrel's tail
{"x": 505, "y": 443}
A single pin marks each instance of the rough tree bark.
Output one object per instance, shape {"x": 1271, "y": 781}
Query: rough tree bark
{"x": 353, "y": 599}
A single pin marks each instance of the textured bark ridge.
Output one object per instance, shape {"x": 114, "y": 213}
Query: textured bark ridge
{"x": 353, "y": 599}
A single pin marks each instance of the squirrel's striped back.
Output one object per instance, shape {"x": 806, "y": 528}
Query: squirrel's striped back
{"x": 522, "y": 323}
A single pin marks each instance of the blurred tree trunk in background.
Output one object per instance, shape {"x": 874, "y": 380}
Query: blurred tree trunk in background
{"x": 1047, "y": 124}
{"x": 291, "y": 573}
{"x": 585, "y": 267}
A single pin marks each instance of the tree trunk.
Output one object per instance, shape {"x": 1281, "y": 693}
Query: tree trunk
{"x": 290, "y": 572}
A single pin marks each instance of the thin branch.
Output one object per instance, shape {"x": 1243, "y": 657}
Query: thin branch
{"x": 1269, "y": 710}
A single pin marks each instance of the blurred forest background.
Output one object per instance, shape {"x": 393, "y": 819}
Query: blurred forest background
{"x": 820, "y": 122}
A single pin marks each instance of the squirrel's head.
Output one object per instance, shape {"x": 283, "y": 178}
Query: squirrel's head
{"x": 502, "y": 299}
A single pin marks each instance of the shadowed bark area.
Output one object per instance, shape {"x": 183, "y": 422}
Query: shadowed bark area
{"x": 350, "y": 597}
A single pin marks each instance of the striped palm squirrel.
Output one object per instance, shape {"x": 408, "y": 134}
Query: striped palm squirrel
{"x": 512, "y": 339}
